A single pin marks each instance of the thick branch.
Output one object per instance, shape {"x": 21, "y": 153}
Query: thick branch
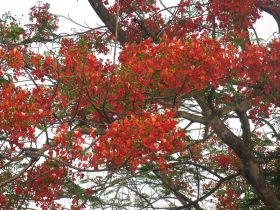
{"x": 251, "y": 170}
{"x": 143, "y": 25}
{"x": 273, "y": 8}
{"x": 190, "y": 117}
{"x": 108, "y": 20}
{"x": 245, "y": 125}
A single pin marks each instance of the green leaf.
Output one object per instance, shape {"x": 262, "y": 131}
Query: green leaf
{"x": 14, "y": 33}
{"x": 3, "y": 80}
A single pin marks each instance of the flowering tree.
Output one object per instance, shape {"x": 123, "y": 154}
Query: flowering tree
{"x": 186, "y": 117}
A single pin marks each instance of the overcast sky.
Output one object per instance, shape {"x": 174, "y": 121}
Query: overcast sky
{"x": 81, "y": 12}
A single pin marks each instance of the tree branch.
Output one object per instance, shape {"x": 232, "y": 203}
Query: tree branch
{"x": 7, "y": 181}
{"x": 108, "y": 20}
{"x": 190, "y": 117}
{"x": 208, "y": 193}
{"x": 250, "y": 168}
{"x": 182, "y": 198}
{"x": 272, "y": 8}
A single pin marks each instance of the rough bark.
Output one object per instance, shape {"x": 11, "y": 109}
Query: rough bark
{"x": 250, "y": 168}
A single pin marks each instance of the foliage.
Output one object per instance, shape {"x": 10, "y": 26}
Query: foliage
{"x": 186, "y": 118}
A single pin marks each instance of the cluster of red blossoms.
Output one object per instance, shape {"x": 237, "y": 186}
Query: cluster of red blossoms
{"x": 96, "y": 116}
{"x": 139, "y": 140}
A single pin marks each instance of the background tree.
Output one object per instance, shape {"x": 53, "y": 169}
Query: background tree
{"x": 175, "y": 123}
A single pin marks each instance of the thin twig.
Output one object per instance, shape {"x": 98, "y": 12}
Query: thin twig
{"x": 116, "y": 34}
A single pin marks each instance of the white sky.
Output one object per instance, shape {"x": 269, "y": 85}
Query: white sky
{"x": 81, "y": 12}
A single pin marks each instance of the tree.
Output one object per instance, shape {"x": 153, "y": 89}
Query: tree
{"x": 186, "y": 118}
